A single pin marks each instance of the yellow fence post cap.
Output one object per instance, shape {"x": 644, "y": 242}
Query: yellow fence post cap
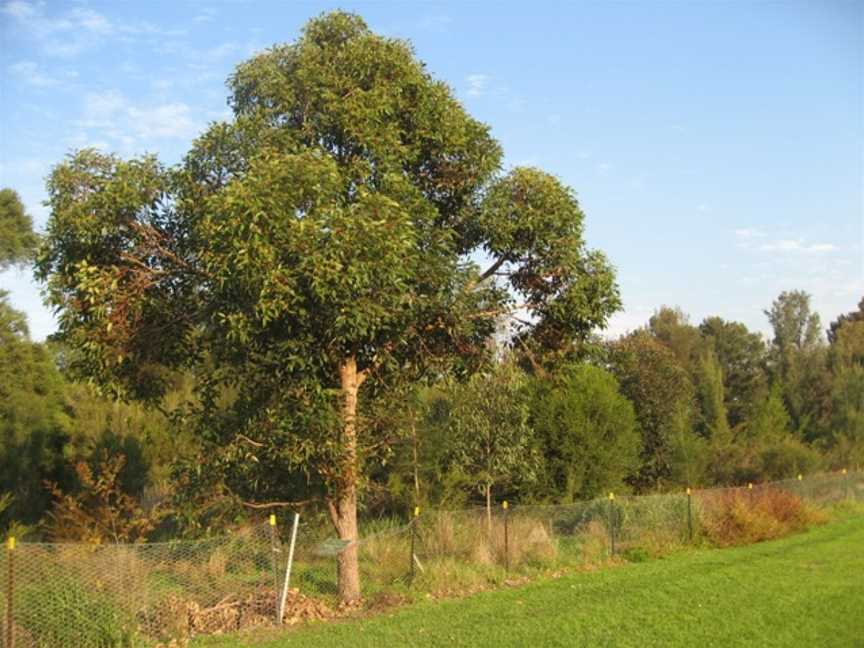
{"x": 800, "y": 477}
{"x": 416, "y": 511}
{"x": 272, "y": 519}
{"x": 611, "y": 496}
{"x": 844, "y": 471}
{"x": 749, "y": 485}
{"x": 688, "y": 490}
{"x": 11, "y": 543}
{"x": 505, "y": 505}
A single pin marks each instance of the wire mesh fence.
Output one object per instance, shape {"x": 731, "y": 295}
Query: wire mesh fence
{"x": 150, "y": 594}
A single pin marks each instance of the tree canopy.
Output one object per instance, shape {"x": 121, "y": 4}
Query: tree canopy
{"x": 318, "y": 242}
{"x": 17, "y": 240}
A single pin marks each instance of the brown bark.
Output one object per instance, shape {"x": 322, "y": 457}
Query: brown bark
{"x": 343, "y": 504}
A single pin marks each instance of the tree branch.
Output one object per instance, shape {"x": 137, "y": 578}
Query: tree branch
{"x": 264, "y": 505}
{"x": 491, "y": 270}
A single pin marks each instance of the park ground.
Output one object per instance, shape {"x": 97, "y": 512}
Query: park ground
{"x": 803, "y": 590}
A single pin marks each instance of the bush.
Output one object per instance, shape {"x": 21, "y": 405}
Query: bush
{"x": 587, "y": 433}
{"x": 738, "y": 517}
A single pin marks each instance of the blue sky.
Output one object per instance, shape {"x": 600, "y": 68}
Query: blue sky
{"x": 716, "y": 148}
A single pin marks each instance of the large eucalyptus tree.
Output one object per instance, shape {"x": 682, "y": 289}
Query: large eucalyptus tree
{"x": 307, "y": 252}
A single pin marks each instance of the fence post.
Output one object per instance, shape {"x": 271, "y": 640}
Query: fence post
{"x": 413, "y": 542}
{"x": 273, "y": 552}
{"x": 845, "y": 484}
{"x": 506, "y": 537}
{"x": 750, "y": 490}
{"x": 281, "y": 611}
{"x": 611, "y": 524}
{"x": 10, "y": 591}
{"x": 689, "y": 514}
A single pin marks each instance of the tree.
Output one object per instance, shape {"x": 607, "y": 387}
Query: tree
{"x": 34, "y": 423}
{"x": 672, "y": 327}
{"x": 17, "y": 240}
{"x": 586, "y": 431}
{"x": 854, "y": 316}
{"x": 771, "y": 422}
{"x": 796, "y": 328}
{"x": 662, "y": 395}
{"x": 799, "y": 363}
{"x": 307, "y": 252}
{"x": 709, "y": 387}
{"x": 741, "y": 356}
{"x": 490, "y": 442}
{"x": 847, "y": 391}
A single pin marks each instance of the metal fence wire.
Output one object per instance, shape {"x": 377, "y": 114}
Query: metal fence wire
{"x": 152, "y": 594}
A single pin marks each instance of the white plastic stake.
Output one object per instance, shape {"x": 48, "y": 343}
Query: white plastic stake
{"x": 288, "y": 567}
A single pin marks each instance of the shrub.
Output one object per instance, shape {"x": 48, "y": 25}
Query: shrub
{"x": 737, "y": 517}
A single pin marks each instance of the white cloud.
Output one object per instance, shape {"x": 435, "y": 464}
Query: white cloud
{"x": 604, "y": 167}
{"x": 69, "y": 33}
{"x": 29, "y": 72}
{"x": 478, "y": 84}
{"x": 747, "y": 233}
{"x": 19, "y": 10}
{"x": 797, "y": 245}
{"x": 163, "y": 122}
{"x": 207, "y": 14}
{"x": 748, "y": 239}
{"x": 110, "y": 115}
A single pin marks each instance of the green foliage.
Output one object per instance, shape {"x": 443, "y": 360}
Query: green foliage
{"x": 489, "y": 440}
{"x": 742, "y": 357}
{"x": 799, "y": 363}
{"x": 62, "y": 611}
{"x": 332, "y": 223}
{"x": 586, "y": 431}
{"x": 33, "y": 419}
{"x": 672, "y": 327}
{"x": 771, "y": 422}
{"x": 662, "y": 395}
{"x": 17, "y": 240}
{"x": 854, "y": 316}
{"x": 846, "y": 358}
{"x": 709, "y": 385}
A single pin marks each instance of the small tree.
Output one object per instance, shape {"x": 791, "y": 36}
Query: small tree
{"x": 490, "y": 441}
{"x": 709, "y": 386}
{"x": 100, "y": 510}
{"x": 586, "y": 431}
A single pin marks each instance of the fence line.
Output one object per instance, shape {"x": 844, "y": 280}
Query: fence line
{"x": 148, "y": 594}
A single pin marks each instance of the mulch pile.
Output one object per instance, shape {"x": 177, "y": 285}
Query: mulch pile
{"x": 175, "y": 620}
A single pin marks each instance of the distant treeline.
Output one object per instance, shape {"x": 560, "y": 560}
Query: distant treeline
{"x": 668, "y": 405}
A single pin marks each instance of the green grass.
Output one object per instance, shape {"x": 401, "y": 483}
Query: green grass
{"x": 804, "y": 590}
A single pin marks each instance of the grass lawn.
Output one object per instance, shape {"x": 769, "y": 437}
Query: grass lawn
{"x": 805, "y": 590}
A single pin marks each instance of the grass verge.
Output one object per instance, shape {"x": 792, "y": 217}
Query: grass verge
{"x": 798, "y": 591}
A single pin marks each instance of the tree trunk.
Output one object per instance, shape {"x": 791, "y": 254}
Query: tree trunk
{"x": 343, "y": 505}
{"x": 489, "y": 508}
{"x": 416, "y": 468}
